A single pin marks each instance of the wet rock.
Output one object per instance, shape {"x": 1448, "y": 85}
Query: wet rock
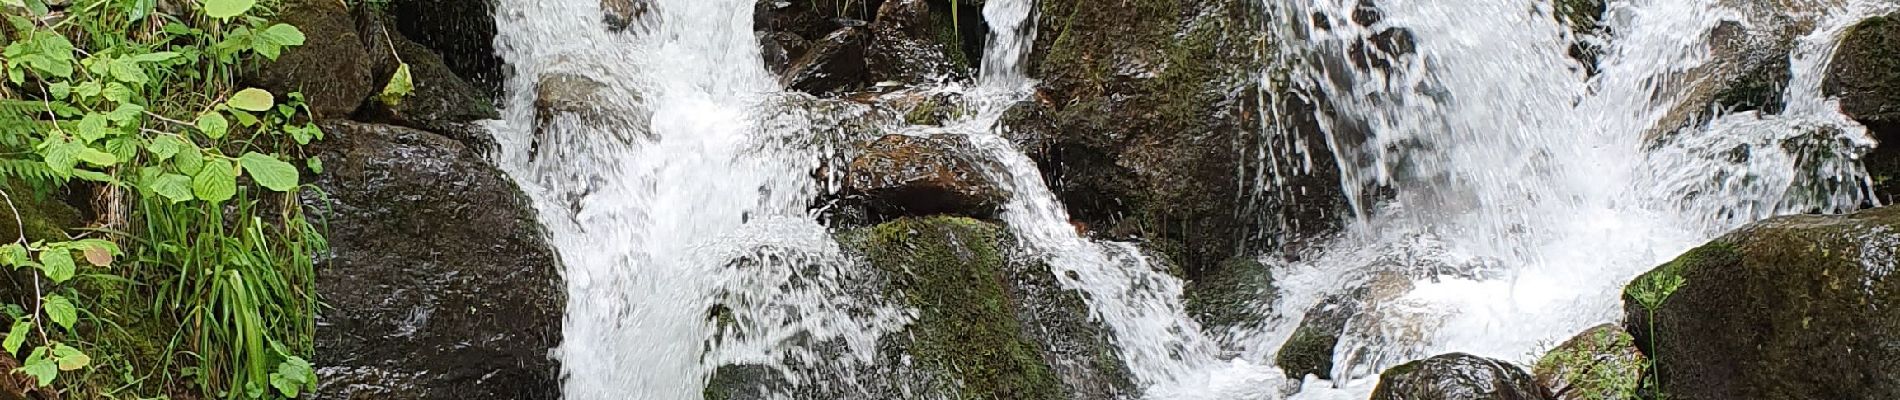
{"x": 1600, "y": 363}
{"x": 913, "y": 42}
{"x": 1796, "y": 307}
{"x": 900, "y": 175}
{"x": 1238, "y": 295}
{"x": 332, "y": 68}
{"x": 811, "y": 19}
{"x": 621, "y": 14}
{"x": 1149, "y": 120}
{"x": 439, "y": 101}
{"x": 1364, "y": 313}
{"x": 1747, "y": 66}
{"x": 1457, "y": 376}
{"x": 973, "y": 291}
{"x": 439, "y": 283}
{"x": 461, "y": 31}
{"x": 918, "y": 107}
{"x": 835, "y": 64}
{"x": 779, "y": 49}
{"x": 1865, "y": 74}
{"x": 1585, "y": 18}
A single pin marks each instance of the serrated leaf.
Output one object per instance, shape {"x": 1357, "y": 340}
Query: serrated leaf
{"x": 42, "y": 369}
{"x": 61, "y": 157}
{"x": 215, "y": 183}
{"x": 95, "y": 157}
{"x": 17, "y": 336}
{"x": 213, "y": 124}
{"x": 57, "y": 265}
{"x": 398, "y": 87}
{"x": 70, "y": 358}
{"x": 60, "y": 310}
{"x": 251, "y": 99}
{"x": 127, "y": 70}
{"x": 117, "y": 92}
{"x": 190, "y": 160}
{"x": 164, "y": 147}
{"x": 127, "y": 112}
{"x": 98, "y": 256}
{"x": 91, "y": 127}
{"x": 14, "y": 255}
{"x": 315, "y": 164}
{"x": 59, "y": 90}
{"x": 269, "y": 172}
{"x": 222, "y": 9}
{"x": 282, "y": 34}
{"x": 174, "y": 187}
{"x": 285, "y": 386}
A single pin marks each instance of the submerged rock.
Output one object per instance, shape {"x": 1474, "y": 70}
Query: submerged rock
{"x": 1365, "y": 311}
{"x": 439, "y": 283}
{"x": 1796, "y": 307}
{"x": 1599, "y": 364}
{"x": 1865, "y": 74}
{"x": 1457, "y": 376}
{"x": 899, "y": 175}
{"x": 835, "y": 64}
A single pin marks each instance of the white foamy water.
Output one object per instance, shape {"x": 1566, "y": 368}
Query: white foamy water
{"x": 1527, "y": 193}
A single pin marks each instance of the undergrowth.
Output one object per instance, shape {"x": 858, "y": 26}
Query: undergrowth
{"x": 194, "y": 278}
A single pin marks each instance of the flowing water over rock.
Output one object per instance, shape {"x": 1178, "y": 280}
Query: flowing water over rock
{"x": 1504, "y": 193}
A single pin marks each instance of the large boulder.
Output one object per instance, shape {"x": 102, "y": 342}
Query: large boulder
{"x": 989, "y": 323}
{"x": 1601, "y": 363}
{"x": 1865, "y": 74}
{"x": 1457, "y": 376}
{"x": 916, "y": 41}
{"x": 439, "y": 282}
{"x": 1796, "y": 307}
{"x": 333, "y": 68}
{"x": 1354, "y": 313}
{"x": 899, "y": 175}
{"x": 438, "y": 101}
{"x": 1146, "y": 123}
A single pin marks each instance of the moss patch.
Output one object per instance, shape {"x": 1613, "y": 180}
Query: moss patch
{"x": 951, "y": 270}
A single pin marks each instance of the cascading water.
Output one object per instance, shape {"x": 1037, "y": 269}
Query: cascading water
{"x": 1527, "y": 192}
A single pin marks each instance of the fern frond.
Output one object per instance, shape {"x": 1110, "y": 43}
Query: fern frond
{"x": 27, "y": 170}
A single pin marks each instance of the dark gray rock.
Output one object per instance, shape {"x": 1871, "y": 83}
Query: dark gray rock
{"x": 835, "y": 64}
{"x": 439, "y": 283}
{"x": 1457, "y": 376}
{"x": 900, "y": 175}
{"x": 332, "y": 68}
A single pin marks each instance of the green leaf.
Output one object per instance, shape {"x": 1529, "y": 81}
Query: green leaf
{"x": 315, "y": 164}
{"x": 14, "y": 255}
{"x": 127, "y": 70}
{"x": 70, "y": 358}
{"x": 175, "y": 187}
{"x": 57, "y": 265}
{"x": 213, "y": 124}
{"x": 222, "y": 9}
{"x": 117, "y": 92}
{"x": 61, "y": 157}
{"x": 13, "y": 3}
{"x": 88, "y": 89}
{"x": 94, "y": 176}
{"x": 269, "y": 172}
{"x": 251, "y": 99}
{"x": 60, "y": 89}
{"x": 190, "y": 160}
{"x": 165, "y": 147}
{"x": 215, "y": 183}
{"x": 398, "y": 87}
{"x": 42, "y": 369}
{"x": 282, "y": 34}
{"x": 285, "y": 386}
{"x": 91, "y": 127}
{"x": 161, "y": 56}
{"x": 127, "y": 112}
{"x": 60, "y": 310}
{"x": 17, "y": 336}
{"x": 96, "y": 157}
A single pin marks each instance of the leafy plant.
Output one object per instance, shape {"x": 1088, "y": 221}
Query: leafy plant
{"x": 140, "y": 107}
{"x": 1650, "y": 292}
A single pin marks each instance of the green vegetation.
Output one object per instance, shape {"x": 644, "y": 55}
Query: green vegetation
{"x": 1652, "y": 289}
{"x": 1600, "y": 364}
{"x": 195, "y": 277}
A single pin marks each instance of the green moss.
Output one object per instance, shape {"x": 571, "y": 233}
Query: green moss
{"x": 951, "y": 270}
{"x": 42, "y": 215}
{"x": 1600, "y": 364}
{"x": 1229, "y": 295}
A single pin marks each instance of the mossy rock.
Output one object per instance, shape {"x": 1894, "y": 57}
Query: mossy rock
{"x": 994, "y": 326}
{"x": 1756, "y": 313}
{"x": 43, "y": 215}
{"x": 332, "y": 68}
{"x": 1865, "y": 75}
{"x": 1601, "y": 363}
{"x": 1457, "y": 376}
{"x": 1232, "y": 296}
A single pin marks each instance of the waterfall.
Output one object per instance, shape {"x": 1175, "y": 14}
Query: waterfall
{"x": 1525, "y": 193}
{"x": 674, "y": 175}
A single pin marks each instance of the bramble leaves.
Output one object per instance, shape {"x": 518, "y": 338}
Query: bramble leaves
{"x": 269, "y": 172}
{"x": 57, "y": 264}
{"x": 251, "y": 99}
{"x": 222, "y": 9}
{"x": 215, "y": 182}
{"x": 60, "y": 310}
{"x": 17, "y": 336}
